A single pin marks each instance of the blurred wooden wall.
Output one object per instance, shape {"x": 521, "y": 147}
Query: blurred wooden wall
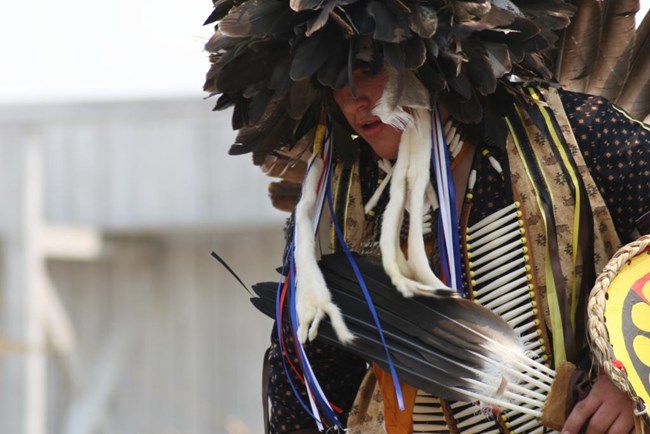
{"x": 145, "y": 332}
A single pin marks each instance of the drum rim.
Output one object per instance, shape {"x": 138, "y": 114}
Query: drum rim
{"x": 597, "y": 332}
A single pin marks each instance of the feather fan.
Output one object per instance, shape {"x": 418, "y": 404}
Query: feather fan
{"x": 447, "y": 346}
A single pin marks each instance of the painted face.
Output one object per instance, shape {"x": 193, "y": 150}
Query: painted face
{"x": 383, "y": 138}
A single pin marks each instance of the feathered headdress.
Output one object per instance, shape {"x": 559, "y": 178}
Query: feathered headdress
{"x": 273, "y": 60}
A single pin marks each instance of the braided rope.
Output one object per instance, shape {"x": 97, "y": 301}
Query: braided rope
{"x": 597, "y": 332}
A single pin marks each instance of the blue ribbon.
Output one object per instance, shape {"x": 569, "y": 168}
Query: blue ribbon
{"x": 278, "y": 324}
{"x": 366, "y": 294}
{"x": 455, "y": 236}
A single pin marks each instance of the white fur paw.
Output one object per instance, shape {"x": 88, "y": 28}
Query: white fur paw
{"x": 409, "y": 288}
{"x": 310, "y": 313}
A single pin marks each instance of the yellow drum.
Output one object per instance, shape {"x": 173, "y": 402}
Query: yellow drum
{"x": 619, "y": 322}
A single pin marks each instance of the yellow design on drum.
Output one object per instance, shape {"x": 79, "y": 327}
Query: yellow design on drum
{"x": 627, "y": 318}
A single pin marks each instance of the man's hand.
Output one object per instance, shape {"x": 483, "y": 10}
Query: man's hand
{"x": 607, "y": 409}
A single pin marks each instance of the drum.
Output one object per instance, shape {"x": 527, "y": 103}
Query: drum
{"x": 619, "y": 322}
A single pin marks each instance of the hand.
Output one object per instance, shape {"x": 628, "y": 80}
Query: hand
{"x": 606, "y": 408}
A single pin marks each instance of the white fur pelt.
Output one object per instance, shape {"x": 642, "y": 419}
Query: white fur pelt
{"x": 410, "y": 181}
{"x": 403, "y": 92}
{"x": 313, "y": 298}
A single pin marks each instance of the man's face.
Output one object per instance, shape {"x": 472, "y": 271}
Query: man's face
{"x": 383, "y": 138}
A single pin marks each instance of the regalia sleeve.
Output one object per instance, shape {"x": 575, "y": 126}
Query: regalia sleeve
{"x": 616, "y": 149}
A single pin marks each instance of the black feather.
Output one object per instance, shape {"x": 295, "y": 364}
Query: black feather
{"x": 360, "y": 19}
{"x": 465, "y": 111}
{"x": 302, "y": 5}
{"x": 303, "y": 94}
{"x": 409, "y": 364}
{"x": 254, "y": 18}
{"x": 433, "y": 79}
{"x": 311, "y": 54}
{"x": 257, "y": 105}
{"x": 329, "y": 72}
{"x": 309, "y": 120}
{"x": 250, "y": 67}
{"x": 480, "y": 71}
{"x": 218, "y": 41}
{"x": 434, "y": 342}
{"x": 423, "y": 20}
{"x": 457, "y": 76}
{"x": 415, "y": 53}
{"x": 389, "y": 27}
{"x": 221, "y": 8}
{"x": 317, "y": 22}
{"x": 223, "y": 102}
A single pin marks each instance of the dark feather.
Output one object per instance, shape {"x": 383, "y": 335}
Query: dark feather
{"x": 550, "y": 15}
{"x": 211, "y": 76}
{"x": 360, "y": 18}
{"x": 465, "y": 111}
{"x": 580, "y": 45}
{"x": 319, "y": 20}
{"x": 250, "y": 67}
{"x": 457, "y": 76}
{"x": 434, "y": 341}
{"x": 253, "y": 18}
{"x": 496, "y": 19}
{"x": 423, "y": 20}
{"x": 394, "y": 55}
{"x": 399, "y": 7}
{"x": 433, "y": 79}
{"x": 635, "y": 95}
{"x": 494, "y": 129}
{"x": 480, "y": 72}
{"x": 311, "y": 53}
{"x": 341, "y": 18}
{"x": 331, "y": 70}
{"x": 389, "y": 27}
{"x": 303, "y": 5}
{"x": 223, "y": 102}
{"x": 303, "y": 94}
{"x": 465, "y": 11}
{"x": 291, "y": 168}
{"x": 284, "y": 195}
{"x": 408, "y": 362}
{"x": 309, "y": 119}
{"x": 642, "y": 37}
{"x": 239, "y": 114}
{"x": 535, "y": 63}
{"x": 613, "y": 61}
{"x": 257, "y": 105}
{"x": 218, "y": 41}
{"x": 279, "y": 79}
{"x": 498, "y": 57}
{"x": 271, "y": 131}
{"x": 221, "y": 8}
{"x": 415, "y": 53}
